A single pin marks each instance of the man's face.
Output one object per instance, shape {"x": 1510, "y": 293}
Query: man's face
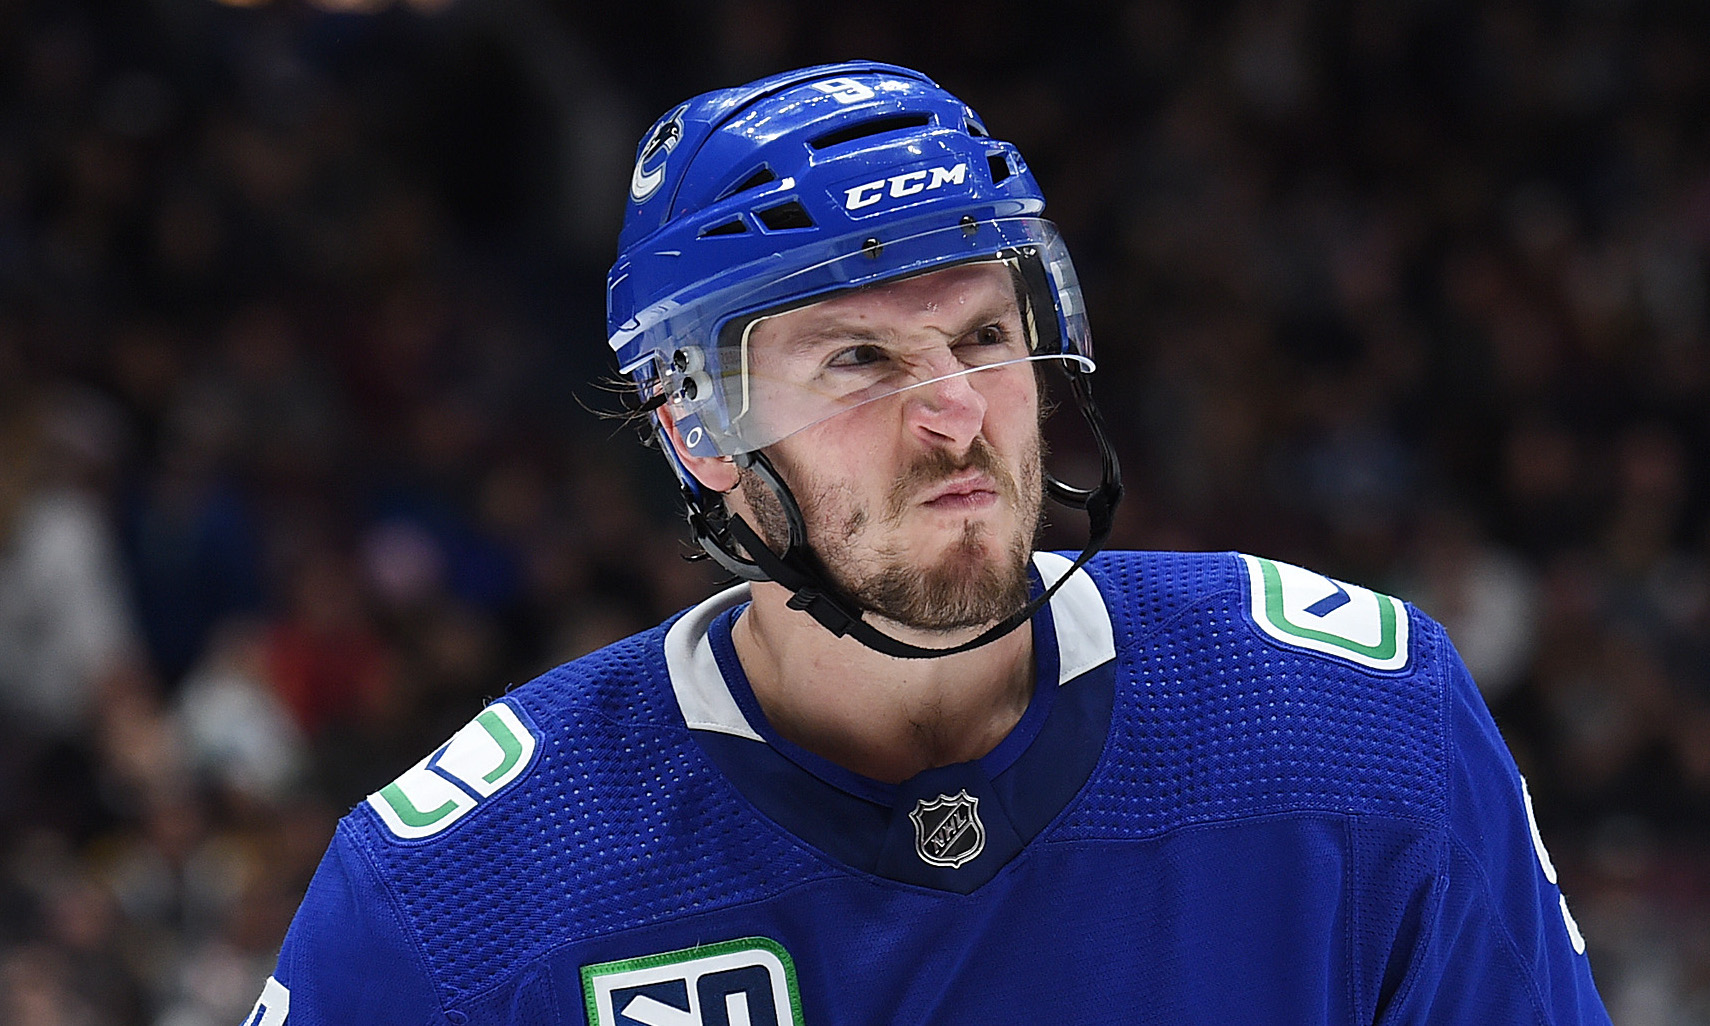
{"x": 922, "y": 499}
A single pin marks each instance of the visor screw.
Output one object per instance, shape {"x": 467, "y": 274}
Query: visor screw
{"x": 680, "y": 360}
{"x": 690, "y": 389}
{"x": 872, "y": 248}
{"x": 969, "y": 225}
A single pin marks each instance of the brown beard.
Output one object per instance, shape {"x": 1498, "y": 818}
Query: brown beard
{"x": 969, "y": 586}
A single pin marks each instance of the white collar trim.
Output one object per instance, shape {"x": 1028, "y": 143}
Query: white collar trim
{"x": 701, "y": 691}
{"x": 1085, "y": 639}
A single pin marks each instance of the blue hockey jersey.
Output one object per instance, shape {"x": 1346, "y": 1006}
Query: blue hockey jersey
{"x": 1242, "y": 793}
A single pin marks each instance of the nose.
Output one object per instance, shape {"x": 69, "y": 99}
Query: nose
{"x": 948, "y": 411}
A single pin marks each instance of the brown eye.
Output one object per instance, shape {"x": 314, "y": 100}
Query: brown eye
{"x": 857, "y": 356}
{"x": 984, "y": 343}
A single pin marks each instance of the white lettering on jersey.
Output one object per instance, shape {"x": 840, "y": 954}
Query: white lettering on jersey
{"x": 1549, "y": 869}
{"x": 906, "y": 184}
{"x": 272, "y": 1007}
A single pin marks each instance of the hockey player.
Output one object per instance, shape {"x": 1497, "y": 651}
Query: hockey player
{"x": 910, "y": 771}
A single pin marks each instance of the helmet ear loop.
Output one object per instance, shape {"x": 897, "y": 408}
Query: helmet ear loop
{"x": 711, "y": 528}
{"x": 707, "y": 515}
{"x": 1027, "y": 272}
{"x": 1099, "y": 502}
{"x": 798, "y": 568}
{"x": 726, "y": 537}
{"x": 762, "y": 468}
{"x": 798, "y": 565}
{"x": 709, "y": 522}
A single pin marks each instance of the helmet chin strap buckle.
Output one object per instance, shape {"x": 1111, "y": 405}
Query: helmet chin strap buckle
{"x": 823, "y": 609}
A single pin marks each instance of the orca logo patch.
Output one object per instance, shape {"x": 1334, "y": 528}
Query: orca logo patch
{"x": 649, "y": 171}
{"x": 1302, "y": 609}
{"x": 478, "y": 761}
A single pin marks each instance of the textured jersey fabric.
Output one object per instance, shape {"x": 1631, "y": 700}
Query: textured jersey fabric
{"x": 1225, "y": 805}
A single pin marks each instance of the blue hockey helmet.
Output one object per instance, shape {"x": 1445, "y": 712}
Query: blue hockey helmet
{"x": 750, "y": 202}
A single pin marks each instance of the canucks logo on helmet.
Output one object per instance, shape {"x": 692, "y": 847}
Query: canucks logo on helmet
{"x": 649, "y": 171}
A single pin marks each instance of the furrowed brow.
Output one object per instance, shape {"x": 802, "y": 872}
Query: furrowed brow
{"x": 990, "y": 309}
{"x": 833, "y": 335}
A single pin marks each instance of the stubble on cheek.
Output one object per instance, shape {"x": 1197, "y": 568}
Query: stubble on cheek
{"x": 966, "y": 585}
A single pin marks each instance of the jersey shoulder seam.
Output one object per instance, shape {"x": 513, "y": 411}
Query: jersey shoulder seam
{"x": 1198, "y": 601}
{"x": 1504, "y": 935}
{"x": 394, "y": 908}
{"x": 1425, "y": 823}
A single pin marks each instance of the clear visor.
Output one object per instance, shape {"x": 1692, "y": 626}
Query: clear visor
{"x": 788, "y": 366}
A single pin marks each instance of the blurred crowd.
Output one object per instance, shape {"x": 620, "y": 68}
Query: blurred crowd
{"x": 305, "y": 450}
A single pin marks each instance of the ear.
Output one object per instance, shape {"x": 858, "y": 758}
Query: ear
{"x": 715, "y": 472}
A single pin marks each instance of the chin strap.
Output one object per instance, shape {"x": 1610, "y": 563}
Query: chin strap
{"x": 813, "y": 591}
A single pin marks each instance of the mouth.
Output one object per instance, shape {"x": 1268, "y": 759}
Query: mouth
{"x": 971, "y": 490}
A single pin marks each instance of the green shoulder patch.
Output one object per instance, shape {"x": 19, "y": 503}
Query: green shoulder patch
{"x": 1302, "y": 609}
{"x": 479, "y": 760}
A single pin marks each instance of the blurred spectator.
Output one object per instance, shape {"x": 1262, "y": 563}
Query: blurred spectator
{"x": 240, "y": 736}
{"x": 1484, "y": 596}
{"x": 325, "y": 660}
{"x": 193, "y": 545}
{"x": 64, "y": 621}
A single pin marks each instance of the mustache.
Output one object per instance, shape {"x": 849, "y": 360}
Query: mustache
{"x": 937, "y": 465}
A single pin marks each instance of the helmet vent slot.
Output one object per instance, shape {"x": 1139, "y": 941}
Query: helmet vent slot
{"x": 999, "y": 165}
{"x": 736, "y": 227}
{"x": 785, "y": 216}
{"x": 875, "y": 126}
{"x": 760, "y": 177}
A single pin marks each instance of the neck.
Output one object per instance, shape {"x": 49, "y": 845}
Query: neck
{"x": 880, "y": 716}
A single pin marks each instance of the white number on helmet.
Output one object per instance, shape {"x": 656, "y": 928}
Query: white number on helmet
{"x": 844, "y": 90}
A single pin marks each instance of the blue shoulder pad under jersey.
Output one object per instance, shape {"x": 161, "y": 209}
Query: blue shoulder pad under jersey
{"x": 1498, "y": 943}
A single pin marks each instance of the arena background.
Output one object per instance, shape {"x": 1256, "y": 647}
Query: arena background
{"x": 301, "y": 322}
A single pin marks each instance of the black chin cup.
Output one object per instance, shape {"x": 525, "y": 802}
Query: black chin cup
{"x": 725, "y": 537}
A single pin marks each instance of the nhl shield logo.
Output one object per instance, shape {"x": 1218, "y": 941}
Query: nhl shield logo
{"x": 947, "y": 830}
